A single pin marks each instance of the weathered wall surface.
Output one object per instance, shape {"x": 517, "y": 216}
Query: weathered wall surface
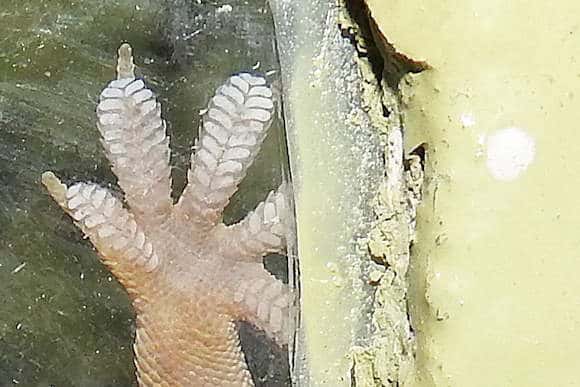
{"x": 495, "y": 261}
{"x": 334, "y": 157}
{"x": 353, "y": 206}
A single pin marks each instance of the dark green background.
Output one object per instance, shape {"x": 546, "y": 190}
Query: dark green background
{"x": 64, "y": 321}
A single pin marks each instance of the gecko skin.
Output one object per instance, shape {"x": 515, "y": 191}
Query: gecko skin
{"x": 189, "y": 276}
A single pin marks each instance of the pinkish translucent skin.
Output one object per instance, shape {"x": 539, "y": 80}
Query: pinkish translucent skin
{"x": 189, "y": 276}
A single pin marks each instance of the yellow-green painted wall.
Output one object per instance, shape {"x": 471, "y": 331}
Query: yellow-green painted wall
{"x": 495, "y": 290}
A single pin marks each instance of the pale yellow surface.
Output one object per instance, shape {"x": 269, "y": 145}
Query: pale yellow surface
{"x": 318, "y": 213}
{"x": 335, "y": 166}
{"x": 496, "y": 289}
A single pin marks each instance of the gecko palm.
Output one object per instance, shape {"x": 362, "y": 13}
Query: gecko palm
{"x": 189, "y": 276}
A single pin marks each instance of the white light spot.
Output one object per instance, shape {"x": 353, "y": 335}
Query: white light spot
{"x": 467, "y": 120}
{"x": 509, "y": 153}
{"x": 224, "y": 9}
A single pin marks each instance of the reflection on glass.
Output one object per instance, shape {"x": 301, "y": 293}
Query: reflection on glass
{"x": 195, "y": 284}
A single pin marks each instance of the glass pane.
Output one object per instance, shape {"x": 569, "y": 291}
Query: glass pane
{"x": 65, "y": 320}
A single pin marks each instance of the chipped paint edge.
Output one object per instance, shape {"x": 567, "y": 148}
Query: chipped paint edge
{"x": 388, "y": 357}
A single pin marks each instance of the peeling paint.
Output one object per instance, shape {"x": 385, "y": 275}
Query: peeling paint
{"x": 496, "y": 253}
{"x": 387, "y": 356}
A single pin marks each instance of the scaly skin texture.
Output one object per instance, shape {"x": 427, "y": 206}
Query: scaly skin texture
{"x": 189, "y": 276}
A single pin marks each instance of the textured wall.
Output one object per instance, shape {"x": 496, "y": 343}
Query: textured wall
{"x": 496, "y": 259}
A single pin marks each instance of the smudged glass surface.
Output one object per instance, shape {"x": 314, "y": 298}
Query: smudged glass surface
{"x": 64, "y": 320}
